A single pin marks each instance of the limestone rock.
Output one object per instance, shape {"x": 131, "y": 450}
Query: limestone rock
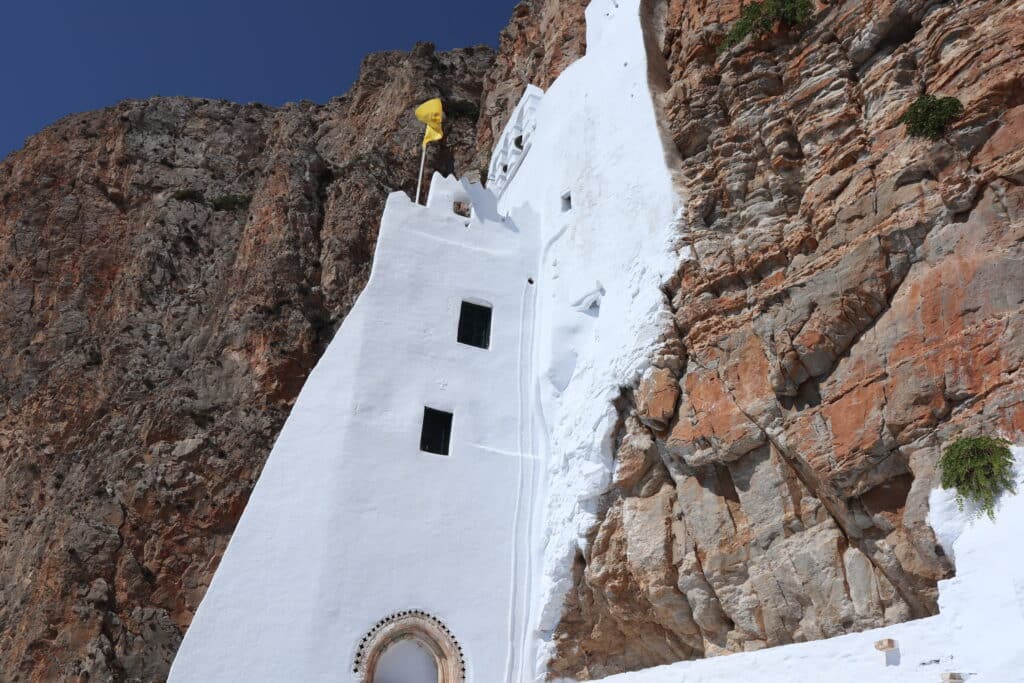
{"x": 657, "y": 397}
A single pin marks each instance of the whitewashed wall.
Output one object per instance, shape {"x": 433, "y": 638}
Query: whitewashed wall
{"x": 600, "y": 305}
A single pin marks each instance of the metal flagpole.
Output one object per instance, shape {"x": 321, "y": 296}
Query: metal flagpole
{"x": 419, "y": 183}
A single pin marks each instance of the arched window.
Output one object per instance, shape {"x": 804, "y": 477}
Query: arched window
{"x": 406, "y": 661}
{"x": 409, "y": 647}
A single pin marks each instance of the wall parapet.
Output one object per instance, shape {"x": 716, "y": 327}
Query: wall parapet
{"x": 515, "y": 141}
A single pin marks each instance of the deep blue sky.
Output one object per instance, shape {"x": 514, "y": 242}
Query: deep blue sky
{"x": 63, "y": 56}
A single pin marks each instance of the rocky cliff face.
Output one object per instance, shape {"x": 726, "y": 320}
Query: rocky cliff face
{"x": 852, "y": 303}
{"x": 172, "y": 270}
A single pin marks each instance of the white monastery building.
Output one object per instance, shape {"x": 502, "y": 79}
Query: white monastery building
{"x": 420, "y": 513}
{"x": 425, "y": 500}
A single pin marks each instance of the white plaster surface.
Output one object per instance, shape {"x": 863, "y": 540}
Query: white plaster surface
{"x": 600, "y": 305}
{"x": 979, "y": 631}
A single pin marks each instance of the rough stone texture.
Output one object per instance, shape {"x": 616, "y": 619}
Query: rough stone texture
{"x": 853, "y": 302}
{"x": 153, "y": 342}
{"x": 657, "y": 397}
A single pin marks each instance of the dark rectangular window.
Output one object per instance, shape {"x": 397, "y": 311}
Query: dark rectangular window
{"x": 475, "y": 325}
{"x": 437, "y": 431}
{"x": 567, "y": 202}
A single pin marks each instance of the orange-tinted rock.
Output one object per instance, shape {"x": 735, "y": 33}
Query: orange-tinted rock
{"x": 656, "y": 397}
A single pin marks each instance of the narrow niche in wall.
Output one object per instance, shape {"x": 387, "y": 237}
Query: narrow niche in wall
{"x": 463, "y": 209}
{"x": 567, "y": 202}
{"x": 437, "y": 431}
{"x": 475, "y": 325}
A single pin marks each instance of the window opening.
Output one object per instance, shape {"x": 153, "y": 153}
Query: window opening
{"x": 406, "y": 661}
{"x": 475, "y": 325}
{"x": 437, "y": 431}
{"x": 567, "y": 202}
{"x": 388, "y": 648}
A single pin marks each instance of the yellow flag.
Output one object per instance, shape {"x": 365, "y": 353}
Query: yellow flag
{"x": 431, "y": 113}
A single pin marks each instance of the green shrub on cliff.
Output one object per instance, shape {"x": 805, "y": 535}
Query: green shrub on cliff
{"x": 929, "y": 117}
{"x": 231, "y": 202}
{"x": 194, "y": 196}
{"x": 465, "y": 109}
{"x": 760, "y": 18}
{"x": 979, "y": 468}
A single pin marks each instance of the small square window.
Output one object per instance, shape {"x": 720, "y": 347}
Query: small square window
{"x": 475, "y": 325}
{"x": 567, "y": 202}
{"x": 437, "y": 431}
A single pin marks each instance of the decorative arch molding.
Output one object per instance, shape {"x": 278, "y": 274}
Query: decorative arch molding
{"x": 421, "y": 627}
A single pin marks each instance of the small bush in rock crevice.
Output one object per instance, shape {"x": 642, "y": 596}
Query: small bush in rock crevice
{"x": 980, "y": 469}
{"x": 464, "y": 108}
{"x": 760, "y": 19}
{"x": 194, "y": 196}
{"x": 930, "y": 116}
{"x": 231, "y": 202}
